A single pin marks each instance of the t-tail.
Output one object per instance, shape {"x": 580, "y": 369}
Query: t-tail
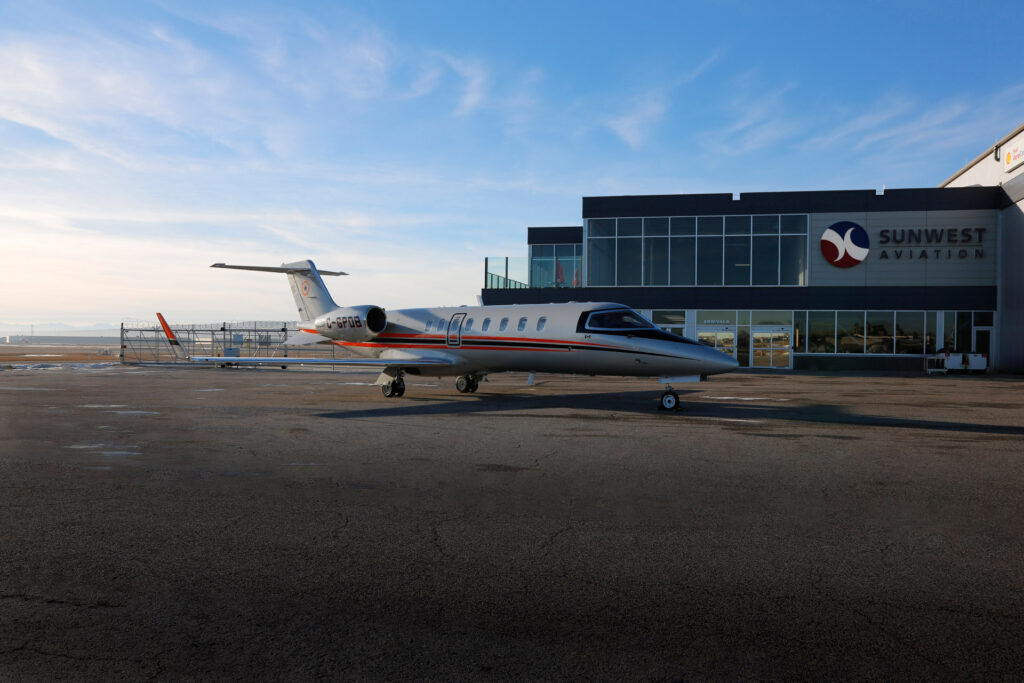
{"x": 311, "y": 295}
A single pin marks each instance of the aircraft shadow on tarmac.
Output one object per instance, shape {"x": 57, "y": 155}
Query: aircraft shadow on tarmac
{"x": 645, "y": 403}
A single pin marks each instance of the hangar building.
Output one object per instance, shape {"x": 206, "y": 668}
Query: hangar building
{"x": 828, "y": 280}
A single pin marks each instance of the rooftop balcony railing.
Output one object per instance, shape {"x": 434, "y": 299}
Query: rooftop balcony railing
{"x": 506, "y": 272}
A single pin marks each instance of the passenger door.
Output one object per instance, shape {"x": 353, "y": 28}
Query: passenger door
{"x": 455, "y": 330}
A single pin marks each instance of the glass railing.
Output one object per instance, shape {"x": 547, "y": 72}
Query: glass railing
{"x": 505, "y": 272}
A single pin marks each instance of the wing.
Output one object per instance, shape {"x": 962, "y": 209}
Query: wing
{"x": 403, "y": 361}
{"x": 381, "y": 363}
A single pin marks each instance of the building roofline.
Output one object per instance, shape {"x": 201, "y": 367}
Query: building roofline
{"x": 816, "y": 201}
{"x": 984, "y": 154}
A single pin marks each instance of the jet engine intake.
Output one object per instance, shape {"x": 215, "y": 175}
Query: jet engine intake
{"x": 356, "y": 323}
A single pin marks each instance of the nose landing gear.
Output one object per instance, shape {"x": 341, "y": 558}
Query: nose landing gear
{"x": 467, "y": 384}
{"x": 669, "y": 400}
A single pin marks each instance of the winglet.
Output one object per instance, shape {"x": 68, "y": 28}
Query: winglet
{"x": 176, "y": 347}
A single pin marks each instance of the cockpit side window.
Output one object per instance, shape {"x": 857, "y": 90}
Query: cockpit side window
{"x": 619, "y": 319}
{"x": 430, "y": 323}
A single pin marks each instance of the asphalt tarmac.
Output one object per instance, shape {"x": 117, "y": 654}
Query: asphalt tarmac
{"x": 196, "y": 523}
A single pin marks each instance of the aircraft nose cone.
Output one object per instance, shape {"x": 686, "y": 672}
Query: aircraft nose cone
{"x": 720, "y": 362}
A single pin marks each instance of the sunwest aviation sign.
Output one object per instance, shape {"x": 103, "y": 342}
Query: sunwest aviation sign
{"x": 846, "y": 244}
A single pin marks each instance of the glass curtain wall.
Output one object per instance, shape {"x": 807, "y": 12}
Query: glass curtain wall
{"x": 556, "y": 265}
{"x": 706, "y": 251}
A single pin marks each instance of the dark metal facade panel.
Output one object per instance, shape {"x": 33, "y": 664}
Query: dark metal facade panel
{"x": 762, "y": 298}
{"x": 825, "y": 201}
{"x": 572, "y": 234}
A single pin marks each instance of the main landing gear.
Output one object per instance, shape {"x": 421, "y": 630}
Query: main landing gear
{"x": 669, "y": 400}
{"x": 467, "y": 384}
{"x": 394, "y": 388}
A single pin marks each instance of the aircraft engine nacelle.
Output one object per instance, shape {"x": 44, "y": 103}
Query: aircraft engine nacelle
{"x": 357, "y": 323}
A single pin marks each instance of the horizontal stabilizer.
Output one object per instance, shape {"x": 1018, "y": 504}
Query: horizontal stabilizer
{"x": 301, "y": 270}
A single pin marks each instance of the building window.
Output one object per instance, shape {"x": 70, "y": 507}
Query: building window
{"x": 628, "y": 262}
{"x": 709, "y": 251}
{"x": 909, "y": 332}
{"x": 709, "y": 261}
{"x": 669, "y": 319}
{"x": 821, "y": 332}
{"x": 601, "y": 262}
{"x": 556, "y": 265}
{"x": 655, "y": 261}
{"x": 793, "y": 260}
{"x": 765, "y": 260}
{"x": 850, "y": 331}
{"x": 799, "y": 331}
{"x": 737, "y": 259}
{"x": 683, "y": 261}
{"x": 878, "y": 336}
{"x": 602, "y": 227}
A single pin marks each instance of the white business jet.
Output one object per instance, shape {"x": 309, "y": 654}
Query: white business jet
{"x": 471, "y": 342}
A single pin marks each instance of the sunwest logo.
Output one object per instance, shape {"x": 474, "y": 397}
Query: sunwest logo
{"x": 845, "y": 244}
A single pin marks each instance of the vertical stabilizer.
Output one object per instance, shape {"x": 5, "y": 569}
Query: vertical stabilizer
{"x": 311, "y": 295}
{"x": 310, "y": 292}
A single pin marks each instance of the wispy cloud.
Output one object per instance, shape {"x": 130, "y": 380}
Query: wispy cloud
{"x": 645, "y": 111}
{"x": 474, "y": 77}
{"x": 635, "y": 125}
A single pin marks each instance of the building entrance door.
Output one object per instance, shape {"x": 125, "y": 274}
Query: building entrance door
{"x": 722, "y": 338}
{"x": 771, "y": 347}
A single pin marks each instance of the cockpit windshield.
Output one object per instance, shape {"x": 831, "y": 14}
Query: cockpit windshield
{"x": 619, "y": 319}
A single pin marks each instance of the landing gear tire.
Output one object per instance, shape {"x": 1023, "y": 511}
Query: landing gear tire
{"x": 463, "y": 384}
{"x": 474, "y": 385}
{"x": 393, "y": 389}
{"x": 669, "y": 401}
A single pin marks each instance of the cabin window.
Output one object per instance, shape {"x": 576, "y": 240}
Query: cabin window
{"x": 468, "y": 326}
{"x": 430, "y": 323}
{"x": 440, "y": 325}
{"x": 504, "y": 325}
{"x": 522, "y": 325}
{"x": 486, "y": 325}
{"x": 541, "y": 322}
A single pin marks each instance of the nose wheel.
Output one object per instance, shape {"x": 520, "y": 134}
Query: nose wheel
{"x": 669, "y": 400}
{"x": 466, "y": 384}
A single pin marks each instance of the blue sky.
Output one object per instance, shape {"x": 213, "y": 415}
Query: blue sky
{"x": 405, "y": 141}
